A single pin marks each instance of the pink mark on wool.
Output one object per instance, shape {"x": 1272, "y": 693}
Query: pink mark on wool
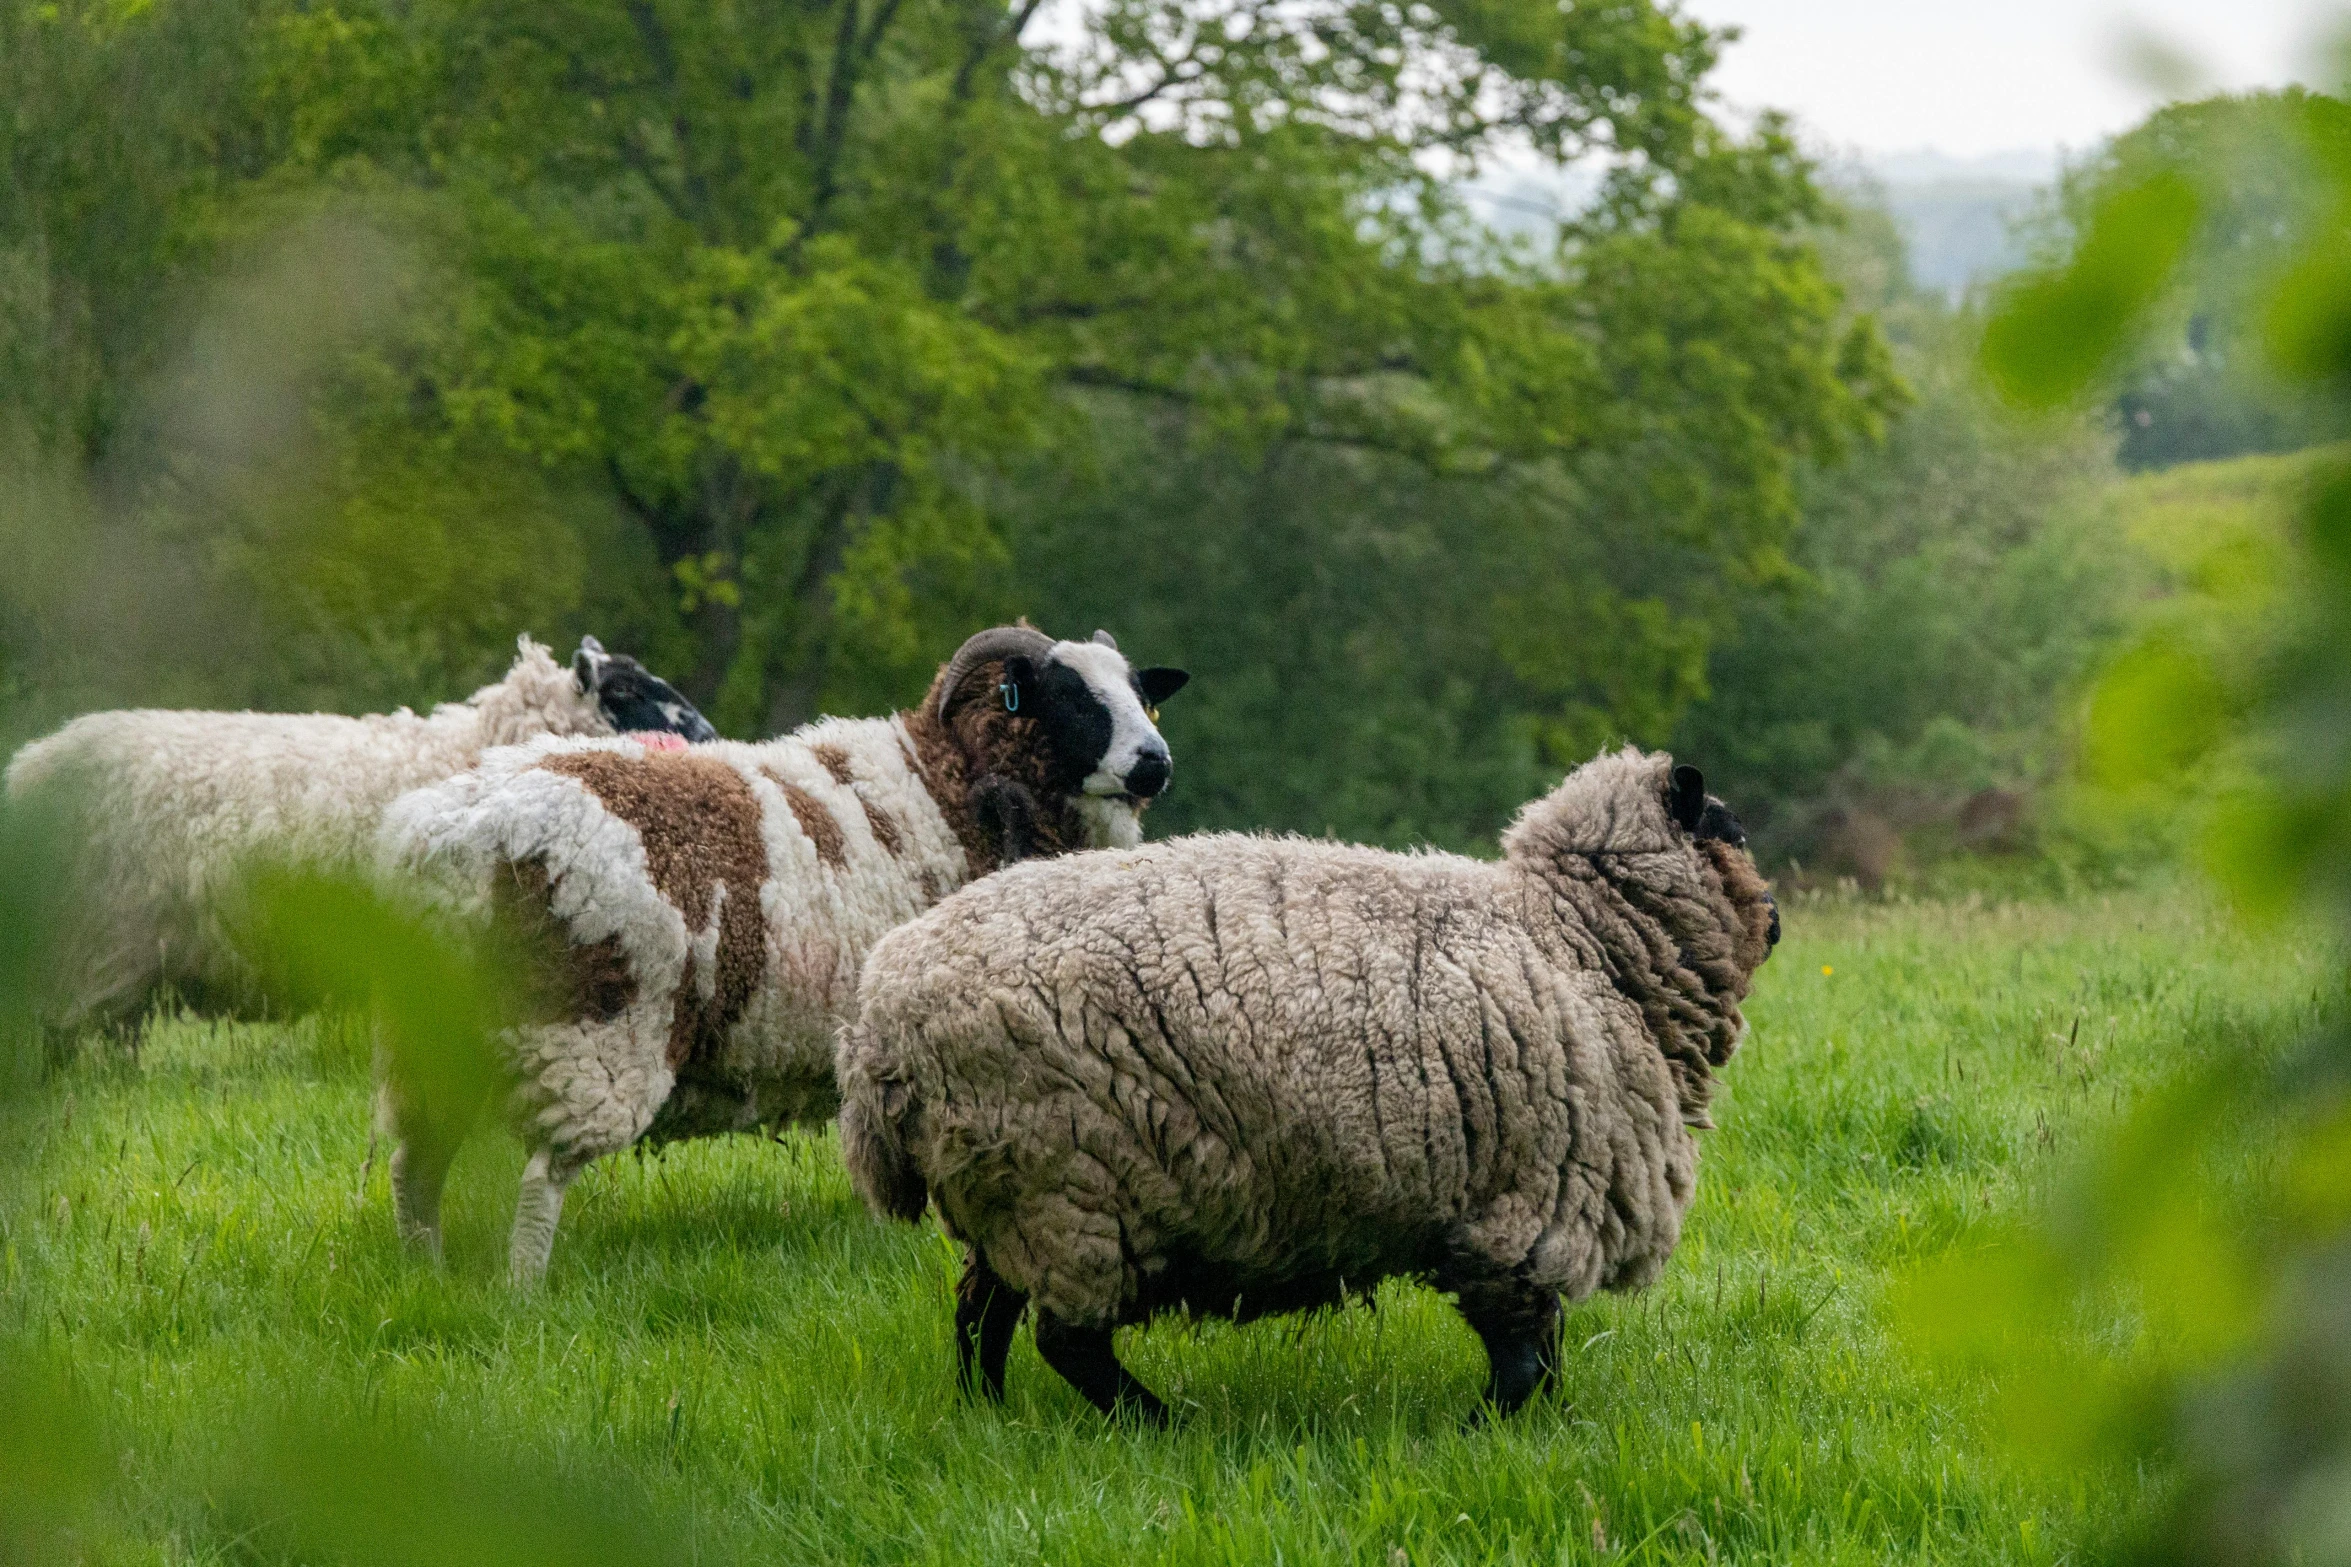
{"x": 657, "y": 739}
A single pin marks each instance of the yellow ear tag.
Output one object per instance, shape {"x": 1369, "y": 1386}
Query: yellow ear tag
{"x": 1151, "y": 713}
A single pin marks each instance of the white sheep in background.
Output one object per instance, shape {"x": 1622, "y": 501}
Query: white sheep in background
{"x": 168, "y": 808}
{"x": 702, "y": 915}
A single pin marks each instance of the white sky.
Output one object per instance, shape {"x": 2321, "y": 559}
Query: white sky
{"x": 1971, "y": 77}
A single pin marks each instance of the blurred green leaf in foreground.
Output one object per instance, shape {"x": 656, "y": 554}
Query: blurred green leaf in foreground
{"x": 294, "y": 1484}
{"x": 2185, "y": 1300}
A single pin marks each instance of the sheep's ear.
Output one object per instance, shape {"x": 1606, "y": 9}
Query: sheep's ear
{"x": 1158, "y": 683}
{"x": 1686, "y": 797}
{"x": 1107, "y": 640}
{"x": 1020, "y": 679}
{"x": 587, "y": 665}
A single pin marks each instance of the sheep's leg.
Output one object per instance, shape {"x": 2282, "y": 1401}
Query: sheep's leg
{"x": 986, "y": 1311}
{"x": 536, "y": 1211}
{"x": 1522, "y": 1346}
{"x": 1085, "y": 1359}
{"x": 424, "y": 1145}
{"x": 420, "y": 1167}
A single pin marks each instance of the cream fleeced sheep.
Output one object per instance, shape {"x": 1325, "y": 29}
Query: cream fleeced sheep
{"x": 169, "y": 808}
{"x": 701, "y": 916}
{"x": 1238, "y": 1075}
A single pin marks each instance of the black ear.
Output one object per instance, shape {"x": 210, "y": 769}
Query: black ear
{"x": 1686, "y": 797}
{"x": 1158, "y": 683}
{"x": 1020, "y": 674}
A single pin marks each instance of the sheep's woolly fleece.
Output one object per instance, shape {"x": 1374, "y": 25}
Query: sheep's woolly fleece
{"x": 1242, "y": 1074}
{"x": 170, "y": 807}
{"x": 699, "y": 918}
{"x": 705, "y": 910}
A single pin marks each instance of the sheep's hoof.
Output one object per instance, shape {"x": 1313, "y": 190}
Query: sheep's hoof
{"x": 423, "y": 1244}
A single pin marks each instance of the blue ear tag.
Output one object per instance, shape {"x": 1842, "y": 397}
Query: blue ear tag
{"x": 1011, "y": 696}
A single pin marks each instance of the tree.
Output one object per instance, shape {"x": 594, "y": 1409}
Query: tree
{"x": 762, "y": 297}
{"x": 1953, "y": 588}
{"x": 2196, "y": 384}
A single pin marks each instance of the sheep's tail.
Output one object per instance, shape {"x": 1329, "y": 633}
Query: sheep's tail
{"x": 873, "y": 1139}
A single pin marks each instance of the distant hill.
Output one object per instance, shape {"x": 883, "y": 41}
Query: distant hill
{"x": 1958, "y": 216}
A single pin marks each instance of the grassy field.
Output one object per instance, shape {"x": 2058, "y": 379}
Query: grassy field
{"x": 197, "y": 1224}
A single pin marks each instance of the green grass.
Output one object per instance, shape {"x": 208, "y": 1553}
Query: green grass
{"x": 198, "y": 1226}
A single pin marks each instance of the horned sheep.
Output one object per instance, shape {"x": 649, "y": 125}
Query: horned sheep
{"x": 1239, "y": 1075}
{"x": 169, "y": 808}
{"x": 704, "y": 915}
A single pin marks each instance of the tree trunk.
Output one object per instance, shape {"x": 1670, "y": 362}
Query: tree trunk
{"x": 798, "y": 695}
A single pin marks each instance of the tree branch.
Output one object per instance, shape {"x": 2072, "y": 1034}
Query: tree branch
{"x": 833, "y": 133}
{"x": 691, "y": 200}
{"x": 1071, "y": 310}
{"x": 984, "y": 43}
{"x": 634, "y": 154}
{"x": 1171, "y": 75}
{"x": 873, "y": 35}
{"x": 1095, "y": 378}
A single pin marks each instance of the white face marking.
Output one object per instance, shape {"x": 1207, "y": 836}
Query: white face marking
{"x": 1110, "y": 824}
{"x": 1131, "y": 730}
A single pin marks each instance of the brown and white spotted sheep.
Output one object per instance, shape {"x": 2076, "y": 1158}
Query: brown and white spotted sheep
{"x": 1238, "y": 1075}
{"x": 703, "y": 913}
{"x": 170, "y": 809}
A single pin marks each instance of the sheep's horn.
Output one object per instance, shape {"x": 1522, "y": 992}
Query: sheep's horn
{"x": 1107, "y": 640}
{"x": 995, "y": 643}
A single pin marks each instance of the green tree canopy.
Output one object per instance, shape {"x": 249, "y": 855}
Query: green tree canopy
{"x": 722, "y": 323}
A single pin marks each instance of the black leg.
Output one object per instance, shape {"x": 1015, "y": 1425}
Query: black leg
{"x": 1084, "y": 1357}
{"x": 986, "y": 1311}
{"x": 1522, "y": 1349}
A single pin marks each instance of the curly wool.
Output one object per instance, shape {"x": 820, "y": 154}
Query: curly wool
{"x": 703, "y": 917}
{"x": 170, "y": 807}
{"x": 708, "y": 909}
{"x": 1238, "y": 1074}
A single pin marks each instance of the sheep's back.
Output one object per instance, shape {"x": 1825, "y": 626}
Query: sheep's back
{"x": 717, "y": 903}
{"x": 1274, "y": 1058}
{"x": 172, "y": 802}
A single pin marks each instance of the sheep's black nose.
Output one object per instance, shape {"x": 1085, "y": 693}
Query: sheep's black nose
{"x": 1149, "y": 774}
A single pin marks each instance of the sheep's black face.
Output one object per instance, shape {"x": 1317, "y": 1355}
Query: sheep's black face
{"x": 1093, "y": 715}
{"x": 633, "y": 699}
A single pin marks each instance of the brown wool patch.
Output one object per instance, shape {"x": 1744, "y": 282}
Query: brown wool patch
{"x": 833, "y": 760}
{"x": 568, "y": 979}
{"x": 817, "y": 822}
{"x": 700, "y": 824}
{"x": 983, "y": 741}
{"x": 885, "y": 831}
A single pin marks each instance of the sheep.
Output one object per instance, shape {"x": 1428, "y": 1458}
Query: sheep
{"x": 700, "y": 918}
{"x": 1239, "y": 1075}
{"x": 169, "y": 808}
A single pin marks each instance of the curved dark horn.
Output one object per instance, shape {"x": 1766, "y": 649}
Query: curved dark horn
{"x": 994, "y": 643}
